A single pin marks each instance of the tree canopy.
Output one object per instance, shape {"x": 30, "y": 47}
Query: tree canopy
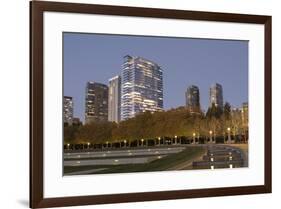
{"x": 147, "y": 125}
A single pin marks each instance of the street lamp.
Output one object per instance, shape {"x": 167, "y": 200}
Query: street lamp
{"x": 176, "y": 137}
{"x": 107, "y": 144}
{"x": 159, "y": 141}
{"x": 88, "y": 145}
{"x": 68, "y": 145}
{"x": 142, "y": 142}
{"x": 194, "y": 134}
{"x": 211, "y": 132}
{"x": 125, "y": 143}
{"x": 229, "y": 138}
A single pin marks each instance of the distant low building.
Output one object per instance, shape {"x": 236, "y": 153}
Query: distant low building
{"x": 67, "y": 110}
{"x": 245, "y": 112}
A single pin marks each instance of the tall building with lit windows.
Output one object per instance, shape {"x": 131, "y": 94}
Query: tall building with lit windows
{"x": 114, "y": 97}
{"x": 216, "y": 95}
{"x": 142, "y": 87}
{"x": 67, "y": 110}
{"x": 192, "y": 97}
{"x": 96, "y": 102}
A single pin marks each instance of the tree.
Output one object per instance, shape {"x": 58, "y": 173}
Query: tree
{"x": 146, "y": 125}
{"x": 215, "y": 126}
{"x": 236, "y": 122}
{"x": 227, "y": 111}
{"x": 70, "y": 133}
{"x": 214, "y": 111}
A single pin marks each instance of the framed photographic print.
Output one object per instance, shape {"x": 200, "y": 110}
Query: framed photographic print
{"x": 139, "y": 104}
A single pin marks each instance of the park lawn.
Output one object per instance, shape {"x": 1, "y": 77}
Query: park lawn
{"x": 70, "y": 169}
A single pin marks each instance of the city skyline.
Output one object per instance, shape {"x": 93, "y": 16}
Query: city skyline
{"x": 175, "y": 86}
{"x": 192, "y": 97}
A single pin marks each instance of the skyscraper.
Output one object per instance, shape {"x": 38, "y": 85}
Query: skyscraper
{"x": 192, "y": 97}
{"x": 96, "y": 104}
{"x": 142, "y": 87}
{"x": 114, "y": 97}
{"x": 216, "y": 95}
{"x": 67, "y": 110}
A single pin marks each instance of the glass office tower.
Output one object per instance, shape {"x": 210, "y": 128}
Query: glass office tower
{"x": 142, "y": 87}
{"x": 216, "y": 95}
{"x": 192, "y": 97}
{"x": 96, "y": 103}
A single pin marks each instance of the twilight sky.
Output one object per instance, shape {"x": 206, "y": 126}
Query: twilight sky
{"x": 201, "y": 62}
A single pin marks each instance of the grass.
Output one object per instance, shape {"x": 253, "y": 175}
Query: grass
{"x": 70, "y": 169}
{"x": 157, "y": 165}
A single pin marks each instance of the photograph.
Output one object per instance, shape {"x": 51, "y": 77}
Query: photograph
{"x": 134, "y": 103}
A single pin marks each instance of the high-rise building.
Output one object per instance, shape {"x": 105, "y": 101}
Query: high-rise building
{"x": 114, "y": 97}
{"x": 96, "y": 104}
{"x": 192, "y": 97}
{"x": 216, "y": 95}
{"x": 142, "y": 87}
{"x": 67, "y": 110}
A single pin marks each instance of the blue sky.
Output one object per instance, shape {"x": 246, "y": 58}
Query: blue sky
{"x": 185, "y": 61}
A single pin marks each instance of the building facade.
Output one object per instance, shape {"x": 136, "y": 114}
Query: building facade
{"x": 96, "y": 102}
{"x": 216, "y": 95}
{"x": 67, "y": 110}
{"x": 142, "y": 87}
{"x": 192, "y": 97}
{"x": 245, "y": 112}
{"x": 114, "y": 99}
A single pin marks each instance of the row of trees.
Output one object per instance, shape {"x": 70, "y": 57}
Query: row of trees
{"x": 169, "y": 123}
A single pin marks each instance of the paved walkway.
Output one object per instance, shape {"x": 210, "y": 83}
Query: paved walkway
{"x": 123, "y": 153}
{"x": 223, "y": 156}
{"x": 244, "y": 149}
